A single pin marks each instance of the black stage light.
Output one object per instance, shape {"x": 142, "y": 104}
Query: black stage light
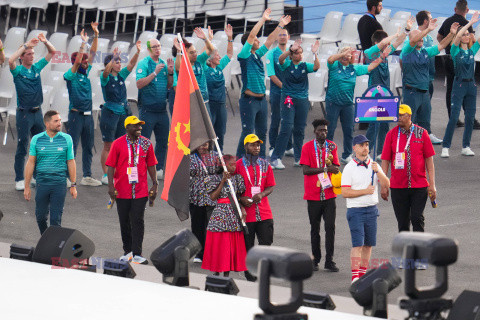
{"x": 118, "y": 268}
{"x": 221, "y": 284}
{"x": 466, "y": 307}
{"x": 370, "y": 291}
{"x": 171, "y": 258}
{"x": 318, "y": 300}
{"x": 20, "y": 252}
{"x": 282, "y": 263}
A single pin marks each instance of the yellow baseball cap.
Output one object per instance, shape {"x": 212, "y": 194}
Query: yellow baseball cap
{"x": 404, "y": 109}
{"x": 133, "y": 120}
{"x": 251, "y": 138}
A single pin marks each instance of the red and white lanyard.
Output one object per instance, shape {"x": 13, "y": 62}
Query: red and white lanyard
{"x": 248, "y": 174}
{"x": 135, "y": 161}
{"x": 409, "y": 138}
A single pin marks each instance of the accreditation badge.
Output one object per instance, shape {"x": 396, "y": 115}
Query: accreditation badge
{"x": 324, "y": 181}
{"x": 255, "y": 190}
{"x": 132, "y": 173}
{"x": 400, "y": 160}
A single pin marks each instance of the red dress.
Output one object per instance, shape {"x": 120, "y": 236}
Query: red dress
{"x": 225, "y": 244}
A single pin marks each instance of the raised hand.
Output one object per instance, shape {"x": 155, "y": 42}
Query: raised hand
{"x": 116, "y": 53}
{"x": 229, "y": 31}
{"x": 454, "y": 27}
{"x": 266, "y": 14}
{"x": 296, "y": 45}
{"x": 199, "y": 33}
{"x": 177, "y": 45}
{"x": 315, "y": 46}
{"x": 42, "y": 38}
{"x": 33, "y": 42}
{"x": 210, "y": 33}
{"x": 139, "y": 46}
{"x": 410, "y": 22}
{"x": 432, "y": 24}
{"x": 475, "y": 17}
{"x": 284, "y": 20}
{"x": 84, "y": 36}
{"x": 170, "y": 65}
{"x": 95, "y": 27}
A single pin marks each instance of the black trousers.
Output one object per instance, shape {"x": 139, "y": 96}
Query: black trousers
{"x": 132, "y": 225}
{"x": 263, "y": 230}
{"x": 408, "y": 204}
{"x": 199, "y": 217}
{"x": 328, "y": 210}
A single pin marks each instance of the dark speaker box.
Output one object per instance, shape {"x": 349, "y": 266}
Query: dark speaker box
{"x": 62, "y": 246}
{"x": 466, "y": 307}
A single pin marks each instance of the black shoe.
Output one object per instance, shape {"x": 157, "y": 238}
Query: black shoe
{"x": 250, "y": 277}
{"x": 460, "y": 124}
{"x": 315, "y": 266}
{"x": 331, "y": 266}
{"x": 476, "y": 125}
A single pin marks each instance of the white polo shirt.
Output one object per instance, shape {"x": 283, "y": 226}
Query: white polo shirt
{"x": 358, "y": 178}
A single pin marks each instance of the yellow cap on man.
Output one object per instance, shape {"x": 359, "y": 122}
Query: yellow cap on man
{"x": 133, "y": 120}
{"x": 251, "y": 138}
{"x": 404, "y": 109}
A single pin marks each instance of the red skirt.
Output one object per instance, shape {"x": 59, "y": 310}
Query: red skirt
{"x": 224, "y": 251}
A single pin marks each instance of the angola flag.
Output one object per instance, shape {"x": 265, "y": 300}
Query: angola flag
{"x": 191, "y": 127}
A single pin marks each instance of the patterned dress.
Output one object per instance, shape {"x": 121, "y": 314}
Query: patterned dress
{"x": 202, "y": 167}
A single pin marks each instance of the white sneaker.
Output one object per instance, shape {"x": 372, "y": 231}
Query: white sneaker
{"x": 20, "y": 185}
{"x": 105, "y": 179}
{"x": 434, "y": 139}
{"x": 270, "y": 152}
{"x": 160, "y": 174}
{"x": 139, "y": 260}
{"x": 289, "y": 153}
{"x": 33, "y": 183}
{"x": 277, "y": 164}
{"x": 127, "y": 257}
{"x": 69, "y": 183}
{"x": 445, "y": 153}
{"x": 197, "y": 260}
{"x": 89, "y": 181}
{"x": 347, "y": 160}
{"x": 297, "y": 164}
{"x": 467, "y": 152}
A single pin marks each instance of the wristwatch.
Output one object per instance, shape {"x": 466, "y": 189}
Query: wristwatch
{"x": 74, "y": 184}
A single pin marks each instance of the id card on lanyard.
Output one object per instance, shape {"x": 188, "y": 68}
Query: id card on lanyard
{"x": 132, "y": 170}
{"x": 323, "y": 179}
{"x": 256, "y": 189}
{"x": 400, "y": 156}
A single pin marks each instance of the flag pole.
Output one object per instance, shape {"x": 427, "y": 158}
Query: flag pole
{"x": 220, "y": 154}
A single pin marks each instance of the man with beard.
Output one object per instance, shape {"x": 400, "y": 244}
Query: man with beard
{"x": 368, "y": 24}
{"x": 128, "y": 162}
{"x": 51, "y": 156}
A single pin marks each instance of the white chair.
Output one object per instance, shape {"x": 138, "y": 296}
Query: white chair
{"x": 145, "y": 36}
{"x": 166, "y": 41}
{"x": 59, "y": 41}
{"x": 164, "y": 10}
{"x": 253, "y": 11}
{"x": 323, "y": 61}
{"x": 64, "y": 4}
{"x": 105, "y": 6}
{"x": 7, "y": 89}
{"x": 131, "y": 85}
{"x": 61, "y": 103}
{"x": 143, "y": 52}
{"x": 382, "y": 20}
{"x": 348, "y": 36}
{"x": 210, "y": 6}
{"x": 401, "y": 15}
{"x": 55, "y": 80}
{"x": 316, "y": 88}
{"x": 47, "y": 96}
{"x": 331, "y": 27}
{"x": 231, "y": 7}
{"x": 127, "y": 8}
{"x": 14, "y": 39}
{"x": 307, "y": 54}
{"x": 40, "y": 49}
{"x": 15, "y": 4}
{"x": 361, "y": 85}
{"x": 385, "y": 13}
{"x": 11, "y": 113}
{"x": 238, "y": 38}
{"x": 328, "y": 49}
{"x": 74, "y": 45}
{"x": 393, "y": 25}
{"x": 193, "y": 8}
{"x": 220, "y": 35}
{"x": 277, "y": 7}
{"x": 144, "y": 11}
{"x": 123, "y": 46}
{"x": 83, "y": 5}
{"x": 97, "y": 100}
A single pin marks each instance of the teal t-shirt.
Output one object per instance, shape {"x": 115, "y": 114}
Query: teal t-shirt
{"x": 341, "y": 82}
{"x": 153, "y": 97}
{"x": 464, "y": 61}
{"x": 416, "y": 65}
{"x": 273, "y": 69}
{"x": 253, "y": 72}
{"x": 381, "y": 74}
{"x": 29, "y": 84}
{"x": 199, "y": 71}
{"x": 115, "y": 92}
{"x": 79, "y": 90}
{"x": 216, "y": 80}
{"x": 52, "y": 155}
{"x": 295, "y": 78}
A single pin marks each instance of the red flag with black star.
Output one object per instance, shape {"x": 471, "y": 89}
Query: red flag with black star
{"x": 191, "y": 127}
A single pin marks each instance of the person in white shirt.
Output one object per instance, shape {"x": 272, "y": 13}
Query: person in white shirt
{"x": 360, "y": 179}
